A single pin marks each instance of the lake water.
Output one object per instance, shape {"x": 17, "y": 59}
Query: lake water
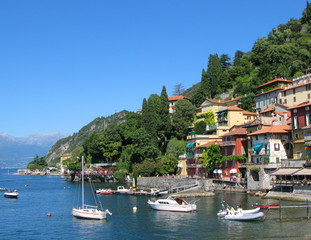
{"x": 26, "y": 217}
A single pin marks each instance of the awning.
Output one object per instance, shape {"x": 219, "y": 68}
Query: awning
{"x": 304, "y": 171}
{"x": 285, "y": 171}
{"x": 233, "y": 170}
{"x": 258, "y": 147}
{"x": 215, "y": 171}
{"x": 190, "y": 144}
{"x": 219, "y": 171}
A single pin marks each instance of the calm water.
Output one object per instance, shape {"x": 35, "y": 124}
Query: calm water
{"x": 26, "y": 217}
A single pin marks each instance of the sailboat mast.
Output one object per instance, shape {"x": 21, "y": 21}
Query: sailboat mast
{"x": 82, "y": 179}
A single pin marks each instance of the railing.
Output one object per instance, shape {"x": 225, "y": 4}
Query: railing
{"x": 227, "y": 143}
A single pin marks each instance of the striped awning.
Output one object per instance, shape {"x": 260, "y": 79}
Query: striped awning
{"x": 285, "y": 171}
{"x": 303, "y": 171}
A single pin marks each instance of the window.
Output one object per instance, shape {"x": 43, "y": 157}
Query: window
{"x": 226, "y": 163}
{"x": 307, "y": 108}
{"x": 308, "y": 95}
{"x": 226, "y": 151}
{"x": 294, "y": 99}
{"x": 277, "y": 160}
{"x": 280, "y": 101}
{"x": 298, "y": 155}
{"x": 296, "y": 123}
{"x": 234, "y": 163}
{"x": 277, "y": 147}
{"x": 294, "y": 91}
{"x": 284, "y": 94}
{"x": 285, "y": 101}
{"x": 307, "y": 119}
{"x": 308, "y": 87}
{"x": 296, "y": 135}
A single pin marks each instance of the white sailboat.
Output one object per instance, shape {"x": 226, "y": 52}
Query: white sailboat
{"x": 88, "y": 211}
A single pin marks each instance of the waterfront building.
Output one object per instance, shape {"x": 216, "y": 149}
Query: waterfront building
{"x": 215, "y": 105}
{"x": 269, "y": 93}
{"x": 301, "y": 119}
{"x": 234, "y": 144}
{"x": 62, "y": 158}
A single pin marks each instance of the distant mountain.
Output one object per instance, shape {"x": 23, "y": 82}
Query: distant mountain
{"x": 68, "y": 144}
{"x": 18, "y": 152}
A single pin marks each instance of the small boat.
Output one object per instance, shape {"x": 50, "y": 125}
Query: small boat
{"x": 122, "y": 189}
{"x": 230, "y": 210}
{"x": 244, "y": 216}
{"x": 104, "y": 191}
{"x": 267, "y": 206}
{"x": 173, "y": 204}
{"x": 88, "y": 211}
{"x": 10, "y": 194}
{"x": 3, "y": 189}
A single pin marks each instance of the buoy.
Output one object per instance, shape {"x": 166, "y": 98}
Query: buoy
{"x": 49, "y": 214}
{"x": 134, "y": 209}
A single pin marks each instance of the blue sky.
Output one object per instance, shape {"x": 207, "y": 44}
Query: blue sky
{"x": 65, "y": 62}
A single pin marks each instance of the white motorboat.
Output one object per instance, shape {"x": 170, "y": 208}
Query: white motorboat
{"x": 225, "y": 212}
{"x": 10, "y": 194}
{"x": 88, "y": 211}
{"x": 122, "y": 189}
{"x": 244, "y": 217}
{"x": 173, "y": 204}
{"x": 104, "y": 191}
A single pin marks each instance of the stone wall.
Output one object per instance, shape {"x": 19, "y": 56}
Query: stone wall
{"x": 163, "y": 182}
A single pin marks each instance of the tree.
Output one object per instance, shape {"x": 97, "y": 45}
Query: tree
{"x": 168, "y": 164}
{"x": 211, "y": 156}
{"x": 176, "y": 147}
{"x": 178, "y": 89}
{"x": 202, "y": 93}
{"x": 213, "y": 74}
{"x": 238, "y": 55}
{"x": 149, "y": 115}
{"x": 182, "y": 118}
{"x": 164, "y": 124}
{"x": 247, "y": 102}
{"x": 225, "y": 62}
{"x": 306, "y": 14}
{"x": 111, "y": 144}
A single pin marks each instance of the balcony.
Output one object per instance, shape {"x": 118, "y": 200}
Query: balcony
{"x": 262, "y": 152}
{"x": 227, "y": 143}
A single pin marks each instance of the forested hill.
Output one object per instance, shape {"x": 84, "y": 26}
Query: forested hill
{"x": 284, "y": 52}
{"x": 68, "y": 144}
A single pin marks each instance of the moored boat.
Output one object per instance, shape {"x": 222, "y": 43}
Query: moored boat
{"x": 10, "y": 194}
{"x": 104, "y": 191}
{"x": 88, "y": 211}
{"x": 244, "y": 217}
{"x": 122, "y": 189}
{"x": 267, "y": 206}
{"x": 173, "y": 204}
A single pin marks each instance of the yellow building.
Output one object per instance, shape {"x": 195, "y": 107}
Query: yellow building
{"x": 62, "y": 158}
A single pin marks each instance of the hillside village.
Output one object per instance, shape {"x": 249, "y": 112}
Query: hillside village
{"x": 275, "y": 140}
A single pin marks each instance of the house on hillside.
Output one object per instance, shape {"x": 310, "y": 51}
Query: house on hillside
{"x": 269, "y": 93}
{"x": 172, "y": 101}
{"x": 297, "y": 92}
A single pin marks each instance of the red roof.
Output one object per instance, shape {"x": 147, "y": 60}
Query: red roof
{"x": 270, "y": 109}
{"x": 249, "y": 113}
{"x": 284, "y": 80}
{"x": 304, "y": 104}
{"x": 175, "y": 98}
{"x": 223, "y": 101}
{"x": 237, "y": 131}
{"x": 209, "y": 144}
{"x": 272, "y": 129}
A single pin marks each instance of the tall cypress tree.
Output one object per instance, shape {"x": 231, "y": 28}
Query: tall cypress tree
{"x": 149, "y": 117}
{"x": 164, "y": 127}
{"x": 213, "y": 74}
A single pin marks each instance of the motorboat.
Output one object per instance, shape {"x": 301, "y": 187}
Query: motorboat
{"x": 228, "y": 210}
{"x": 3, "y": 189}
{"x": 244, "y": 216}
{"x": 173, "y": 204}
{"x": 122, "y": 189}
{"x": 88, "y": 211}
{"x": 104, "y": 191}
{"x": 10, "y": 194}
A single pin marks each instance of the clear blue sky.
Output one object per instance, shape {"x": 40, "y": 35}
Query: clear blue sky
{"x": 65, "y": 62}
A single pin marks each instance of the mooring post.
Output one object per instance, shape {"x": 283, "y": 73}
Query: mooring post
{"x": 308, "y": 216}
{"x": 280, "y": 209}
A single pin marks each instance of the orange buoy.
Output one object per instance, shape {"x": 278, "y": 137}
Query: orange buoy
{"x": 49, "y": 214}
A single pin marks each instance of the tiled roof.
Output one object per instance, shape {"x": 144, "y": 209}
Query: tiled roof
{"x": 284, "y": 80}
{"x": 307, "y": 82}
{"x": 237, "y": 131}
{"x": 175, "y": 98}
{"x": 270, "y": 109}
{"x": 272, "y": 90}
{"x": 304, "y": 104}
{"x": 209, "y": 144}
{"x": 272, "y": 129}
{"x": 223, "y": 101}
{"x": 249, "y": 113}
{"x": 232, "y": 108}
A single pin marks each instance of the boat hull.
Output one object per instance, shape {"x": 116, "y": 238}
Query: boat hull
{"x": 173, "y": 208}
{"x": 11, "y": 195}
{"x": 245, "y": 217}
{"x": 89, "y": 213}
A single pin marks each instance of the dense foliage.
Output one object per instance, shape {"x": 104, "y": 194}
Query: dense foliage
{"x": 37, "y": 163}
